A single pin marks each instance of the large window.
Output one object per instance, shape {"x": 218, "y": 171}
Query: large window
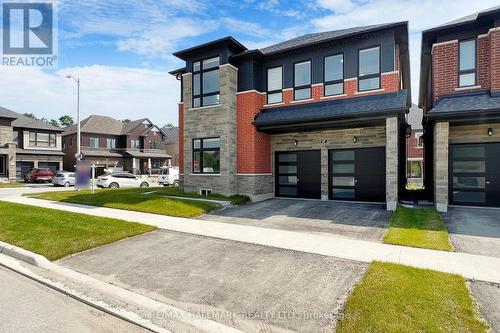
{"x": 334, "y": 75}
{"x": 302, "y": 80}
{"x": 414, "y": 169}
{"x": 369, "y": 69}
{"x": 467, "y": 62}
{"x": 206, "y": 84}
{"x": 206, "y": 155}
{"x": 15, "y": 137}
{"x": 154, "y": 144}
{"x": 274, "y": 85}
{"x": 94, "y": 142}
{"x": 42, "y": 139}
{"x": 111, "y": 143}
{"x": 135, "y": 144}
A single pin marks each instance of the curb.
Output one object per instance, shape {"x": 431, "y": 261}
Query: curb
{"x": 140, "y": 301}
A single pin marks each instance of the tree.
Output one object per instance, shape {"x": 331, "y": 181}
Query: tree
{"x": 169, "y": 125}
{"x": 66, "y": 121}
{"x": 55, "y": 123}
{"x": 30, "y": 115}
{"x": 126, "y": 121}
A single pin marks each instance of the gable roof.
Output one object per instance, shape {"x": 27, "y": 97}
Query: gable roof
{"x": 467, "y": 103}
{"x": 466, "y": 19}
{"x": 320, "y": 37}
{"x": 171, "y": 134}
{"x": 22, "y": 121}
{"x": 106, "y": 125}
{"x": 6, "y": 113}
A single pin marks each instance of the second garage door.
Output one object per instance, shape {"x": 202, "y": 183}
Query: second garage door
{"x": 357, "y": 174}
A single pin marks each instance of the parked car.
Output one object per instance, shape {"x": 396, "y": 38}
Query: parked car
{"x": 169, "y": 176}
{"x": 64, "y": 178}
{"x": 121, "y": 179}
{"x": 36, "y": 175}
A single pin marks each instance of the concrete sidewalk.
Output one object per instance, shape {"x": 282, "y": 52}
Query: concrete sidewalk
{"x": 470, "y": 266}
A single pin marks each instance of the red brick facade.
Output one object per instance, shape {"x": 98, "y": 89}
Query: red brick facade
{"x": 413, "y": 149}
{"x": 253, "y": 149}
{"x": 181, "y": 138}
{"x": 445, "y": 65}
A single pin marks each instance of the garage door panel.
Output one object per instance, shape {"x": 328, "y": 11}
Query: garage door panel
{"x": 298, "y": 174}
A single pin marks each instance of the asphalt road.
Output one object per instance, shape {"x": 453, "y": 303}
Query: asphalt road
{"x": 27, "y": 306}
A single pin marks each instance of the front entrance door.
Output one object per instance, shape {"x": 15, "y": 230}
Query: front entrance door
{"x": 357, "y": 174}
{"x": 298, "y": 174}
{"x": 475, "y": 174}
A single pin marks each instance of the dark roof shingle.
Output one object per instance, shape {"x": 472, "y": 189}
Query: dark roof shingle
{"x": 171, "y": 134}
{"x": 466, "y": 103}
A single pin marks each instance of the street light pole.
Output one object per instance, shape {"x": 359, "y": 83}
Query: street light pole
{"x": 78, "y": 134}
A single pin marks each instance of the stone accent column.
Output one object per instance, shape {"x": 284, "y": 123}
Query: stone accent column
{"x": 391, "y": 163}
{"x": 441, "y": 137}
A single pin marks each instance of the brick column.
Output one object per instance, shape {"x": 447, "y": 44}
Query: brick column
{"x": 391, "y": 162}
{"x": 441, "y": 135}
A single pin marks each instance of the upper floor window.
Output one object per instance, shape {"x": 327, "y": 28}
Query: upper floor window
{"x": 15, "y": 137}
{"x": 274, "y": 85}
{"x": 111, "y": 143}
{"x": 206, "y": 155}
{"x": 42, "y": 139}
{"x": 334, "y": 75}
{"x": 154, "y": 144}
{"x": 369, "y": 69}
{"x": 135, "y": 144}
{"x": 94, "y": 142}
{"x": 467, "y": 63}
{"x": 302, "y": 80}
{"x": 206, "y": 83}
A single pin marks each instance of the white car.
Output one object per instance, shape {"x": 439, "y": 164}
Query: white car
{"x": 169, "y": 176}
{"x": 64, "y": 178}
{"x": 121, "y": 179}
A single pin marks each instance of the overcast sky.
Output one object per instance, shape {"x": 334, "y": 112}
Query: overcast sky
{"x": 122, "y": 50}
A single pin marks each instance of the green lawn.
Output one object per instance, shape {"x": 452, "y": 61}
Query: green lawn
{"x": 133, "y": 199}
{"x": 11, "y": 184}
{"x": 56, "y": 234}
{"x": 418, "y": 227}
{"x": 395, "y": 298}
{"x": 235, "y": 199}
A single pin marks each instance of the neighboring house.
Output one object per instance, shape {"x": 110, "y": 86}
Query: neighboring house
{"x": 460, "y": 95}
{"x": 415, "y": 147}
{"x": 27, "y": 144}
{"x": 172, "y": 143}
{"x": 137, "y": 146}
{"x": 320, "y": 116}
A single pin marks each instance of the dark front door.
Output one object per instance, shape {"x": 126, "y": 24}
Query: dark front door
{"x": 475, "y": 174}
{"x": 298, "y": 174}
{"x": 357, "y": 174}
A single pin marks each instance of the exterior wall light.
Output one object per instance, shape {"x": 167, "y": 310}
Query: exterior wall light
{"x": 354, "y": 139}
{"x": 490, "y": 131}
{"x": 324, "y": 141}
{"x": 295, "y": 143}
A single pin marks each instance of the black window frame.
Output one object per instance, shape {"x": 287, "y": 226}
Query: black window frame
{"x": 467, "y": 71}
{"x": 201, "y": 95}
{"x": 154, "y": 144}
{"x": 201, "y": 150}
{"x": 306, "y": 86}
{"x": 371, "y": 76}
{"x": 326, "y": 83}
{"x": 270, "y": 92}
{"x": 51, "y": 135}
{"x": 3, "y": 165}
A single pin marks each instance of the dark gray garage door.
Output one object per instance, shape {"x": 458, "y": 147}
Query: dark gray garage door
{"x": 22, "y": 168}
{"x": 357, "y": 174}
{"x": 474, "y": 174}
{"x": 53, "y": 166}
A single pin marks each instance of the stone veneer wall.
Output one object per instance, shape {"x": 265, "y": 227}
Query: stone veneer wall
{"x": 391, "y": 162}
{"x": 336, "y": 139}
{"x": 212, "y": 121}
{"x": 474, "y": 133}
{"x": 441, "y": 141}
{"x": 8, "y": 148}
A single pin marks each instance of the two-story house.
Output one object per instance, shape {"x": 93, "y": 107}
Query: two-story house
{"x": 319, "y": 116}
{"x": 27, "y": 143}
{"x": 172, "y": 143}
{"x": 415, "y": 147}
{"x": 137, "y": 146}
{"x": 460, "y": 95}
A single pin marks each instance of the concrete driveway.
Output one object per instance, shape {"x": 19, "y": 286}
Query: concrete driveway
{"x": 353, "y": 220}
{"x": 250, "y": 287}
{"x": 474, "y": 230}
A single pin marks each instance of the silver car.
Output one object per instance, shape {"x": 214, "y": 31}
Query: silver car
{"x": 64, "y": 178}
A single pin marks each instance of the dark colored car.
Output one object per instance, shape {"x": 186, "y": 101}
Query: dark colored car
{"x": 39, "y": 175}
